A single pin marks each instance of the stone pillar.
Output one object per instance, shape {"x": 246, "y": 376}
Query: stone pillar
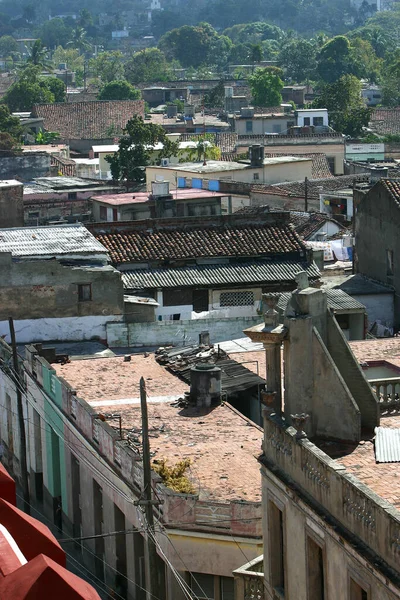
{"x": 274, "y": 373}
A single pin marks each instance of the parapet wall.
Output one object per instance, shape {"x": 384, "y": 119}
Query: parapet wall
{"x": 370, "y": 518}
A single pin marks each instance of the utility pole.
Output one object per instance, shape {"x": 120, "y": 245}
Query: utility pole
{"x": 21, "y": 422}
{"x": 306, "y": 194}
{"x": 151, "y": 550}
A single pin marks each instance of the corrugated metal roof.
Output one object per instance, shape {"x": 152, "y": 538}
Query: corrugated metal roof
{"x": 387, "y": 445}
{"x": 207, "y": 275}
{"x": 336, "y": 299}
{"x": 49, "y": 241}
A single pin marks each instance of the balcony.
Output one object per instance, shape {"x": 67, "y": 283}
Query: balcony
{"x": 249, "y": 581}
{"x": 387, "y": 391}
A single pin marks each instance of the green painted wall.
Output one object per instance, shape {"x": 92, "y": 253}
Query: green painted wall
{"x": 55, "y": 445}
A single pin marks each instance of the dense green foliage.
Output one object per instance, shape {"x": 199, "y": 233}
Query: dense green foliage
{"x": 266, "y": 86}
{"x": 135, "y": 151}
{"x": 119, "y": 90}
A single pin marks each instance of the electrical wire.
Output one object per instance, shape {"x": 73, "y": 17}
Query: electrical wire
{"x": 85, "y": 549}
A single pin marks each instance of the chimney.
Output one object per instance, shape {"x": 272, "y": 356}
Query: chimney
{"x": 204, "y": 338}
{"x": 205, "y": 385}
{"x": 256, "y": 155}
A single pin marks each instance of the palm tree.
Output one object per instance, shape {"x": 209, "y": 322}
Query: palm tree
{"x": 38, "y": 55}
{"x": 79, "y": 40}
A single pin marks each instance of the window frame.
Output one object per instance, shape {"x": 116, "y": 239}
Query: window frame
{"x": 81, "y": 294}
{"x": 320, "y": 542}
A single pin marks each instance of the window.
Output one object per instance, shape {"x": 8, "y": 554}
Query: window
{"x": 72, "y": 196}
{"x": 318, "y": 121}
{"x": 256, "y": 176}
{"x": 389, "y": 263}
{"x": 227, "y": 588}
{"x": 249, "y": 126}
{"x": 331, "y": 163}
{"x": 306, "y": 121}
{"x": 200, "y": 300}
{"x": 176, "y": 297}
{"x": 84, "y": 292}
{"x": 276, "y": 547}
{"x": 357, "y": 592}
{"x": 202, "y": 586}
{"x": 103, "y": 213}
{"x": 315, "y": 570}
{"x": 236, "y": 299}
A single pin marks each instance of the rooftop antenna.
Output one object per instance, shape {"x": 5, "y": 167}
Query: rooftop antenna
{"x": 204, "y": 130}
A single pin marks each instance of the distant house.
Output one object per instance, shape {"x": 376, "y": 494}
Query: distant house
{"x": 50, "y": 199}
{"x": 161, "y": 203}
{"x": 84, "y": 124}
{"x": 57, "y": 284}
{"x": 258, "y": 169}
{"x": 214, "y": 267}
{"x": 377, "y": 239}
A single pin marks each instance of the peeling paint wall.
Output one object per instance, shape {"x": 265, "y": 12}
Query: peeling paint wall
{"x": 176, "y": 333}
{"x": 62, "y": 329}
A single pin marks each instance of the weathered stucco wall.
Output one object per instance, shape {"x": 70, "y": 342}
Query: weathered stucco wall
{"x": 72, "y": 329}
{"x": 176, "y": 333}
{"x": 46, "y": 288}
{"x": 25, "y": 167}
{"x": 11, "y": 205}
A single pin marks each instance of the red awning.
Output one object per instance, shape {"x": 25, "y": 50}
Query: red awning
{"x": 44, "y": 578}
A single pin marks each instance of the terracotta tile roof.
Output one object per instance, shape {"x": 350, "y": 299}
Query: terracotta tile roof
{"x": 359, "y": 459}
{"x": 385, "y": 121}
{"x": 199, "y": 241}
{"x": 88, "y": 120}
{"x": 217, "y": 442}
{"x": 296, "y": 188}
{"x": 393, "y": 187}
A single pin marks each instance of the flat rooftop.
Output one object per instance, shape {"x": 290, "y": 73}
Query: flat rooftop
{"x": 219, "y": 442}
{"x": 216, "y": 166}
{"x": 140, "y": 197}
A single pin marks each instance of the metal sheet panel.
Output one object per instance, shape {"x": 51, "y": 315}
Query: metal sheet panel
{"x": 387, "y": 445}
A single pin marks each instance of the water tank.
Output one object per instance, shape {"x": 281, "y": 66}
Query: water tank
{"x": 228, "y": 91}
{"x": 160, "y": 188}
{"x": 256, "y": 155}
{"x": 172, "y": 111}
{"x": 247, "y": 112}
{"x": 205, "y": 385}
{"x": 189, "y": 110}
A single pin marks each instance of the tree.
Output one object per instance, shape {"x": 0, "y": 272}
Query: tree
{"x": 108, "y": 66}
{"x": 28, "y": 90}
{"x": 215, "y": 98}
{"x": 204, "y": 149}
{"x": 46, "y": 137}
{"x": 347, "y": 111}
{"x": 334, "y": 59}
{"x": 364, "y": 62}
{"x": 57, "y": 88}
{"x": 147, "y": 66}
{"x": 194, "y": 46}
{"x": 69, "y": 56}
{"x": 8, "y": 46}
{"x": 9, "y": 124}
{"x": 266, "y": 86}
{"x": 78, "y": 40}
{"x": 119, "y": 90}
{"x": 298, "y": 59}
{"x": 55, "y": 33}
{"x": 135, "y": 149}
{"x": 38, "y": 55}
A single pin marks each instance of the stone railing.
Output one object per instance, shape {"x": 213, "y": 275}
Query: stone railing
{"x": 352, "y": 504}
{"x": 249, "y": 581}
{"x": 388, "y": 393}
